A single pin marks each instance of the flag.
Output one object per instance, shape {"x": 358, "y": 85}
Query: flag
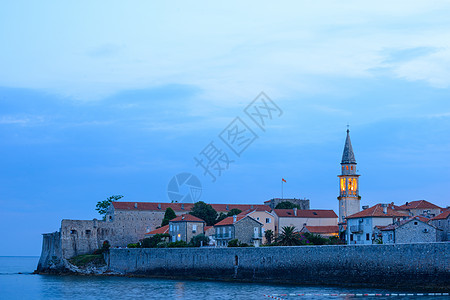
{"x": 283, "y": 179}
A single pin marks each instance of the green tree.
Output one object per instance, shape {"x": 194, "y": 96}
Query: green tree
{"x": 289, "y": 237}
{"x": 197, "y": 240}
{"x": 234, "y": 212}
{"x": 269, "y": 236}
{"x": 286, "y": 205}
{"x": 168, "y": 215}
{"x": 315, "y": 239}
{"x": 220, "y": 217}
{"x": 205, "y": 212}
{"x": 153, "y": 241}
{"x": 102, "y": 206}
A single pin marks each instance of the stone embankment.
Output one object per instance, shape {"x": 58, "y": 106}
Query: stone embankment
{"x": 424, "y": 267}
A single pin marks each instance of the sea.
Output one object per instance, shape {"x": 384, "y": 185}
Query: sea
{"x": 17, "y": 281}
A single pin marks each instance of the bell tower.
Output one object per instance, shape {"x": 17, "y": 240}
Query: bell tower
{"x": 349, "y": 199}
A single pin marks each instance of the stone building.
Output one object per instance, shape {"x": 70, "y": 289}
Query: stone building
{"x": 302, "y": 203}
{"x": 243, "y": 228}
{"x": 412, "y": 230}
{"x": 442, "y": 221}
{"x": 126, "y": 222}
{"x": 267, "y": 218}
{"x": 300, "y": 218}
{"x": 362, "y": 226}
{"x": 185, "y": 227}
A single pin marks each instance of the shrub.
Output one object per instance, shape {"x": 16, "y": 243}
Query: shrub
{"x": 197, "y": 240}
{"x": 177, "y": 244}
{"x": 153, "y": 241}
{"x": 83, "y": 260}
{"x": 233, "y": 243}
{"x": 136, "y": 245}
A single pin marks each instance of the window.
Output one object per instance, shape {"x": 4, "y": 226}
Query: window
{"x": 268, "y": 220}
{"x": 171, "y": 227}
{"x": 390, "y": 237}
{"x": 257, "y": 218}
{"x": 73, "y": 231}
{"x": 88, "y": 231}
{"x": 415, "y": 223}
{"x": 351, "y": 168}
{"x": 351, "y": 237}
{"x": 347, "y": 168}
{"x": 194, "y": 228}
{"x": 110, "y": 217}
{"x": 367, "y": 237}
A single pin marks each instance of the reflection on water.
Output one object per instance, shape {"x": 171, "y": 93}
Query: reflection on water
{"x": 28, "y": 286}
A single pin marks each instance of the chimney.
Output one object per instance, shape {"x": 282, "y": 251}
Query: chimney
{"x": 182, "y": 205}
{"x": 384, "y": 206}
{"x": 159, "y": 205}
{"x": 365, "y": 207}
{"x": 135, "y": 205}
{"x": 295, "y": 211}
{"x": 234, "y": 219}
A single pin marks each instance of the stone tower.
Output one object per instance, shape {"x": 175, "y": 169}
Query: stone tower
{"x": 349, "y": 199}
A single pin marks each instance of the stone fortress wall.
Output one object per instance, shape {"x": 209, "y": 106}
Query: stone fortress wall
{"x": 408, "y": 266}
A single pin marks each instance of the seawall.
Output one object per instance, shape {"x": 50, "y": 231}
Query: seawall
{"x": 402, "y": 266}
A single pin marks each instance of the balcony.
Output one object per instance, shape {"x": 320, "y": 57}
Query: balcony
{"x": 356, "y": 228}
{"x": 222, "y": 236}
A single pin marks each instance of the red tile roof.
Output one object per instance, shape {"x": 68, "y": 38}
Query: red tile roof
{"x": 442, "y": 216}
{"x": 401, "y": 223}
{"x": 377, "y": 211}
{"x": 161, "y": 230}
{"x": 323, "y": 229}
{"x": 186, "y": 218}
{"x": 229, "y": 221}
{"x": 180, "y": 207}
{"x": 419, "y": 204}
{"x": 305, "y": 213}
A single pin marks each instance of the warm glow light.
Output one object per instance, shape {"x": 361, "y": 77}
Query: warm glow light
{"x": 342, "y": 184}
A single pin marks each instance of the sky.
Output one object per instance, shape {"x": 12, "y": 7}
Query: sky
{"x": 108, "y": 98}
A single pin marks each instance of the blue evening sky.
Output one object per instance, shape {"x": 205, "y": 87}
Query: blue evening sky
{"x": 107, "y": 98}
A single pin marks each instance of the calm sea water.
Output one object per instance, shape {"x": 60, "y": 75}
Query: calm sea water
{"x": 17, "y": 282}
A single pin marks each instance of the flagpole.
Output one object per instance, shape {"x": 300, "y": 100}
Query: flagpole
{"x": 282, "y": 189}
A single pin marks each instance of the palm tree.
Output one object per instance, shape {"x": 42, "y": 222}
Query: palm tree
{"x": 288, "y": 237}
{"x": 269, "y": 236}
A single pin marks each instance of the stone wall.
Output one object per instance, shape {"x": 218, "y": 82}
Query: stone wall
{"x": 403, "y": 266}
{"x": 51, "y": 254}
{"x": 415, "y": 232}
{"x": 302, "y": 203}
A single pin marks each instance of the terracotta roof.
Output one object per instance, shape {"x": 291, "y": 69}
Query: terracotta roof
{"x": 377, "y": 211}
{"x": 442, "y": 216}
{"x": 180, "y": 207}
{"x": 323, "y": 229}
{"x": 186, "y": 218}
{"x": 207, "y": 228}
{"x": 229, "y": 221}
{"x": 305, "y": 213}
{"x": 161, "y": 230}
{"x": 249, "y": 211}
{"x": 419, "y": 204}
{"x": 401, "y": 223}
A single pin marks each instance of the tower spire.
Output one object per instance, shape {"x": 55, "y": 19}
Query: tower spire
{"x": 348, "y": 157}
